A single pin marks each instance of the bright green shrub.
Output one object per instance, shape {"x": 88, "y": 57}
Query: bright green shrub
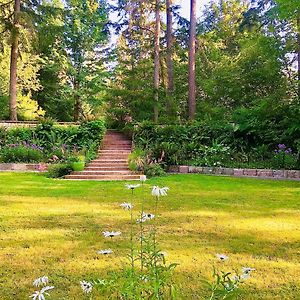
{"x": 154, "y": 170}
{"x": 58, "y": 170}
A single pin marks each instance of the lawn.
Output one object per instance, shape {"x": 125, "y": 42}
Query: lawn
{"x": 53, "y": 227}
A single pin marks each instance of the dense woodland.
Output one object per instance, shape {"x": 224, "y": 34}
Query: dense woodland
{"x": 236, "y": 66}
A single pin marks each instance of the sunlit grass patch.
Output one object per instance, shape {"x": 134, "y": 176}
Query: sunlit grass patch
{"x": 54, "y": 228}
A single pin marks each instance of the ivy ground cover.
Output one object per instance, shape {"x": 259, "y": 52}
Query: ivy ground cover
{"x": 54, "y": 228}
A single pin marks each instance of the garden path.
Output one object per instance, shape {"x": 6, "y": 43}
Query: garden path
{"x": 112, "y": 160}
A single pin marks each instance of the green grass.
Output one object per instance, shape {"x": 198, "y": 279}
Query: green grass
{"x": 53, "y": 227}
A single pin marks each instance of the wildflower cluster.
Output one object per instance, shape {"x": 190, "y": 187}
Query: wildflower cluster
{"x": 147, "y": 274}
{"x": 26, "y": 145}
{"x": 284, "y": 158}
{"x": 45, "y": 288}
{"x": 226, "y": 284}
{"x": 282, "y": 148}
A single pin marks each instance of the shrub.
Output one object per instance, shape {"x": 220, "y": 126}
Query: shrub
{"x": 25, "y": 153}
{"x": 153, "y": 170}
{"x": 59, "y": 170}
{"x": 89, "y": 133}
{"x": 211, "y": 144}
{"x": 57, "y": 142}
{"x": 136, "y": 160}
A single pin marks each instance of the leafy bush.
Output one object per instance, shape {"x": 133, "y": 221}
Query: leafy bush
{"x": 213, "y": 144}
{"x": 58, "y": 170}
{"x": 153, "y": 170}
{"x": 136, "y": 160}
{"x": 57, "y": 142}
{"x": 27, "y": 153}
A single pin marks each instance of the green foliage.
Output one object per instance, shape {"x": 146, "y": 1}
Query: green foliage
{"x": 58, "y": 170}
{"x": 223, "y": 286}
{"x": 212, "y": 143}
{"x": 137, "y": 160}
{"x": 147, "y": 274}
{"x": 140, "y": 161}
{"x": 21, "y": 153}
{"x": 154, "y": 170}
{"x": 55, "y": 143}
{"x": 89, "y": 132}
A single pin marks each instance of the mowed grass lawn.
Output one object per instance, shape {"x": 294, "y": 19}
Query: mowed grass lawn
{"x": 53, "y": 227}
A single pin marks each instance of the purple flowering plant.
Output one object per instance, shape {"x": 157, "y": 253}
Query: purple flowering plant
{"x": 284, "y": 156}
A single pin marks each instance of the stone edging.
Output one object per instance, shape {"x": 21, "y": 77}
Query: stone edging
{"x": 259, "y": 173}
{"x": 19, "y": 167}
{"x": 13, "y": 124}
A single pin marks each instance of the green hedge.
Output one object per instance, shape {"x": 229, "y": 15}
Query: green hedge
{"x": 213, "y": 144}
{"x": 48, "y": 141}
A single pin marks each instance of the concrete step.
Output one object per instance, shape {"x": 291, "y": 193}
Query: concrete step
{"x": 116, "y": 149}
{"x": 108, "y": 168}
{"x": 113, "y": 141}
{"x": 119, "y": 156}
{"x": 113, "y": 155}
{"x": 115, "y": 138}
{"x": 112, "y": 151}
{"x": 103, "y": 177}
{"x": 113, "y": 172}
{"x": 105, "y": 165}
{"x": 110, "y": 161}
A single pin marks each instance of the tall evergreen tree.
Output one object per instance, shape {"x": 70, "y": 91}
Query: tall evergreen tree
{"x": 14, "y": 62}
{"x": 170, "y": 65}
{"x": 192, "y": 62}
{"x": 156, "y": 60}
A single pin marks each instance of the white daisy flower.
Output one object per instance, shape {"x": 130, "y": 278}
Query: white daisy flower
{"x": 40, "y": 295}
{"x": 163, "y": 254}
{"x": 245, "y": 276}
{"x": 86, "y": 286}
{"x": 41, "y": 281}
{"x": 157, "y": 191}
{"x": 132, "y": 186}
{"x": 111, "y": 234}
{"x": 247, "y": 270}
{"x": 145, "y": 217}
{"x": 143, "y": 178}
{"x": 222, "y": 257}
{"x": 126, "y": 206}
{"x": 105, "y": 251}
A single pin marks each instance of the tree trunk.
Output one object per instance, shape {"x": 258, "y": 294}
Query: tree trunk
{"x": 14, "y": 64}
{"x": 77, "y": 103}
{"x": 192, "y": 62}
{"x": 298, "y": 53}
{"x": 156, "y": 59}
{"x": 170, "y": 67}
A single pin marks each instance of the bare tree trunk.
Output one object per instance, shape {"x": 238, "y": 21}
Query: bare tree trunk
{"x": 77, "y": 103}
{"x": 192, "y": 62}
{"x": 14, "y": 63}
{"x": 170, "y": 66}
{"x": 298, "y": 53}
{"x": 156, "y": 59}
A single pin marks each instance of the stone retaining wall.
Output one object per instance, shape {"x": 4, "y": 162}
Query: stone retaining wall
{"x": 259, "y": 173}
{"x": 19, "y": 167}
{"x": 10, "y": 124}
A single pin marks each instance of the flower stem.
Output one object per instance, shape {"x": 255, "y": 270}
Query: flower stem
{"x": 155, "y": 242}
{"x": 141, "y": 235}
{"x": 131, "y": 235}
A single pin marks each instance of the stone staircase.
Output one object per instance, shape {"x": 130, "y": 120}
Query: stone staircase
{"x": 112, "y": 160}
